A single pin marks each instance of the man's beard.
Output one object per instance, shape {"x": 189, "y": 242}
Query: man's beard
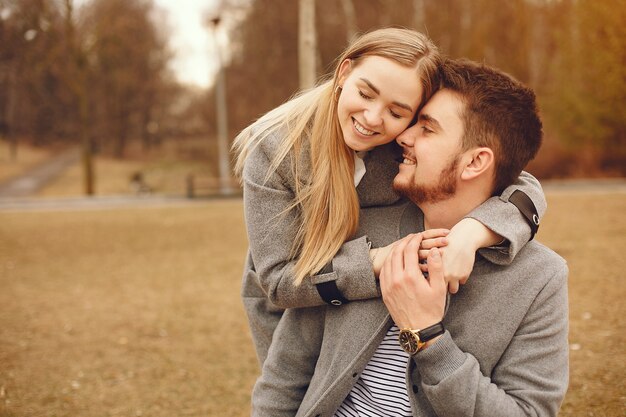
{"x": 420, "y": 193}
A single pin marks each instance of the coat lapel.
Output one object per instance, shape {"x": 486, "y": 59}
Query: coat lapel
{"x": 381, "y": 168}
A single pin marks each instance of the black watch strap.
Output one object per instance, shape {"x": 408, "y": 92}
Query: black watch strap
{"x": 527, "y": 208}
{"x": 431, "y": 332}
{"x": 328, "y": 290}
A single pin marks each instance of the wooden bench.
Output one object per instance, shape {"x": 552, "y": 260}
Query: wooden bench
{"x": 202, "y": 186}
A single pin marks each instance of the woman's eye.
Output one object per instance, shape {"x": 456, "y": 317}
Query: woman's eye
{"x": 394, "y": 114}
{"x": 365, "y": 96}
{"x": 426, "y": 130}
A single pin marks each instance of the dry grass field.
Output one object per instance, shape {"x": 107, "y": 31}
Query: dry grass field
{"x": 136, "y": 312}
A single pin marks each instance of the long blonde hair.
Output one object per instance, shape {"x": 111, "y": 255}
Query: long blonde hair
{"x": 326, "y": 196}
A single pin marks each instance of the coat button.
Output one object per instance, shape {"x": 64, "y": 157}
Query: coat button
{"x": 336, "y": 302}
{"x": 415, "y": 389}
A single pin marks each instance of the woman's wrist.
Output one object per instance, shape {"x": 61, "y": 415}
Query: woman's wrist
{"x": 376, "y": 262}
{"x": 378, "y": 256}
{"x": 476, "y": 234}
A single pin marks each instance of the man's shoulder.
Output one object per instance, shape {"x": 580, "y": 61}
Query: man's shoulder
{"x": 538, "y": 260}
{"x": 535, "y": 266}
{"x": 538, "y": 251}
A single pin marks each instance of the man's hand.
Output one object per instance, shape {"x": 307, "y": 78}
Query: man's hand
{"x": 413, "y": 301}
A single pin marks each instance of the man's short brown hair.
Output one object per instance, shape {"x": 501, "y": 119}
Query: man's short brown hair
{"x": 499, "y": 113}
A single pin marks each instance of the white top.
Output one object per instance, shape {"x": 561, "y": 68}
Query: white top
{"x": 381, "y": 389}
{"x": 359, "y": 167}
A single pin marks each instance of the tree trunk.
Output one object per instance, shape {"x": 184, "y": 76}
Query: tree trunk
{"x": 418, "y": 15}
{"x": 307, "y": 44}
{"x": 10, "y": 112}
{"x": 80, "y": 89}
{"x": 465, "y": 28}
{"x": 351, "y": 26}
{"x": 537, "y": 37}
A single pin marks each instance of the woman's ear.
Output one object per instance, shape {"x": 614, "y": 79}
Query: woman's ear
{"x": 477, "y": 162}
{"x": 344, "y": 70}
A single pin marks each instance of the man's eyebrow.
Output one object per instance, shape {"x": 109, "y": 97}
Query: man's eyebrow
{"x": 377, "y": 91}
{"x": 423, "y": 117}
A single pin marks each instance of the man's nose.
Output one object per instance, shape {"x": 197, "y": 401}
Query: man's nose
{"x": 407, "y": 138}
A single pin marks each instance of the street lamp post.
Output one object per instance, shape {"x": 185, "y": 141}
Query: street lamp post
{"x": 222, "y": 116}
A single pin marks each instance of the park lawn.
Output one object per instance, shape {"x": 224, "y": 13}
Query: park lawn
{"x": 124, "y": 313}
{"x": 136, "y": 312}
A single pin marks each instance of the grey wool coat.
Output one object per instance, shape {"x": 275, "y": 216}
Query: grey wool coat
{"x": 267, "y": 287}
{"x": 504, "y": 353}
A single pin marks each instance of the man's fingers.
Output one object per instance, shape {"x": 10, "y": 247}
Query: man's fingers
{"x": 397, "y": 255}
{"x": 411, "y": 259}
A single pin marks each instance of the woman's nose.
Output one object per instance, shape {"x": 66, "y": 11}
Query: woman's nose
{"x": 373, "y": 116}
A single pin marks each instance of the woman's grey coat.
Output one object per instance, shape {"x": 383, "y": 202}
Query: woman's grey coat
{"x": 268, "y": 280}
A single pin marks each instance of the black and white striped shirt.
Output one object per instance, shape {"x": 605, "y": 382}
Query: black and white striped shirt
{"x": 381, "y": 389}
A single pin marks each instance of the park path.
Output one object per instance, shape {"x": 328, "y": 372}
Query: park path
{"x": 33, "y": 180}
{"x": 17, "y": 194}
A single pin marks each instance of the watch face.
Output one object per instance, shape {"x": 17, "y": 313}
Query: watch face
{"x": 409, "y": 341}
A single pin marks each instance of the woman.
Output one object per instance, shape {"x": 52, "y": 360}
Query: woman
{"x": 305, "y": 174}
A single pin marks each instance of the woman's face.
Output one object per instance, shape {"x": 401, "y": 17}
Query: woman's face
{"x": 378, "y": 100}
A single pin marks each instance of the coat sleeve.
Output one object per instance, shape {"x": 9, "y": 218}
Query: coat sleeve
{"x": 530, "y": 379}
{"x": 290, "y": 364}
{"x": 272, "y": 224}
{"x": 504, "y": 218}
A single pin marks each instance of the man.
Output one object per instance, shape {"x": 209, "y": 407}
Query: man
{"x": 500, "y": 348}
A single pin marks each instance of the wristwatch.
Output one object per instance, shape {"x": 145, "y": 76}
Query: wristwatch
{"x": 414, "y": 340}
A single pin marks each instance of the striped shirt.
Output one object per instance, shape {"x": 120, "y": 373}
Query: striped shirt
{"x": 381, "y": 389}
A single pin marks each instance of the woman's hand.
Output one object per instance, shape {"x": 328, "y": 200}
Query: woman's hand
{"x": 464, "y": 239}
{"x": 432, "y": 238}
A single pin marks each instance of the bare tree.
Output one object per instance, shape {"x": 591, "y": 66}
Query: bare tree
{"x": 77, "y": 81}
{"x": 351, "y": 26}
{"x": 307, "y": 47}
{"x": 221, "y": 115}
{"x": 418, "y": 15}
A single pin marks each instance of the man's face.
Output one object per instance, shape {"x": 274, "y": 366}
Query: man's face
{"x": 432, "y": 150}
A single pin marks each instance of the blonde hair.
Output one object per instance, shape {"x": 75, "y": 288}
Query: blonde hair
{"x": 326, "y": 196}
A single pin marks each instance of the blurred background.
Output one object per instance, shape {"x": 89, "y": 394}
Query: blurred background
{"x": 119, "y": 294}
{"x": 134, "y": 83}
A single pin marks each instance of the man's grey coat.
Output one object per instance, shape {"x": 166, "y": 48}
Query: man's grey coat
{"x": 505, "y": 351}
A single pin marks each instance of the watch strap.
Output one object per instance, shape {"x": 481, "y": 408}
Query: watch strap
{"x": 431, "y": 332}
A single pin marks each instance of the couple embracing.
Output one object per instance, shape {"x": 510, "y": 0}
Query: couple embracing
{"x": 392, "y": 269}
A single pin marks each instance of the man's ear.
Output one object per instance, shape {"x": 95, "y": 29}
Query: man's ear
{"x": 477, "y": 161}
{"x": 344, "y": 70}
